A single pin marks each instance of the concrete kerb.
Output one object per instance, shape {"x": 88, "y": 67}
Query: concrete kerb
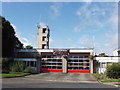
{"x": 107, "y": 83}
{"x": 110, "y": 83}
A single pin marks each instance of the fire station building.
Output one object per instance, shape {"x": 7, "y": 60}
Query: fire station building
{"x": 44, "y": 59}
{"x": 57, "y": 60}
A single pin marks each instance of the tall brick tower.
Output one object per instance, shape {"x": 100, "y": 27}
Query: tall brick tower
{"x": 43, "y": 36}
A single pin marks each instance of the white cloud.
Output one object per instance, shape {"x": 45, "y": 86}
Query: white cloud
{"x": 84, "y": 10}
{"x": 41, "y": 24}
{"x": 111, "y": 39}
{"x": 77, "y": 29}
{"x": 69, "y": 39}
{"x": 113, "y": 21}
{"x": 23, "y": 40}
{"x": 86, "y": 41}
{"x": 86, "y": 17}
{"x": 51, "y": 42}
{"x": 56, "y": 9}
{"x": 97, "y": 16}
{"x": 13, "y": 26}
{"x": 108, "y": 44}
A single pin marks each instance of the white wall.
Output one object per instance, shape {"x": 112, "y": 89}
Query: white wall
{"x": 107, "y": 59}
{"x": 115, "y": 52}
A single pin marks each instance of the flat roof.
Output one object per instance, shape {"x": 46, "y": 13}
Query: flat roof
{"x": 52, "y": 50}
{"x": 60, "y": 49}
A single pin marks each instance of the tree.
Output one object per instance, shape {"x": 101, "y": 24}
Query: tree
{"x": 102, "y": 55}
{"x": 113, "y": 71}
{"x": 9, "y": 41}
{"x": 91, "y": 57}
{"x": 29, "y": 47}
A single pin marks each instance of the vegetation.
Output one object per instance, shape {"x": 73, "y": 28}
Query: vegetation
{"x": 14, "y": 74}
{"x": 100, "y": 76}
{"x": 17, "y": 66}
{"x": 117, "y": 84}
{"x": 31, "y": 70}
{"x": 6, "y": 63}
{"x": 12, "y": 66}
{"x": 111, "y": 75}
{"x": 29, "y": 47}
{"x": 111, "y": 80}
{"x": 102, "y": 55}
{"x": 104, "y": 78}
{"x": 9, "y": 45}
{"x": 9, "y": 41}
{"x": 113, "y": 71}
{"x": 91, "y": 57}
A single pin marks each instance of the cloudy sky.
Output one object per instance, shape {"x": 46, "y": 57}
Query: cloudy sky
{"x": 72, "y": 24}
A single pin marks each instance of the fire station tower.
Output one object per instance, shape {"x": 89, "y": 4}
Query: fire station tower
{"x": 43, "y": 36}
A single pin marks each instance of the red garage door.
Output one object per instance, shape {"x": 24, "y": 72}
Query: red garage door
{"x": 52, "y": 65}
{"x": 78, "y": 64}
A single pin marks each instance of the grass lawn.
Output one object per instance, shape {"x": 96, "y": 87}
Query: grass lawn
{"x": 14, "y": 74}
{"x": 102, "y": 78}
{"x": 111, "y": 80}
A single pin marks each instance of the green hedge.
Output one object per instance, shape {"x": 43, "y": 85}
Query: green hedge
{"x": 113, "y": 71}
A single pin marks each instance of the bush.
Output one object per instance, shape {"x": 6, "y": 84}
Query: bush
{"x": 17, "y": 66}
{"x": 113, "y": 71}
{"x": 6, "y": 62}
{"x": 99, "y": 76}
{"x": 31, "y": 70}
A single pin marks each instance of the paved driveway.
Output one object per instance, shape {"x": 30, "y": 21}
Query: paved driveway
{"x": 54, "y": 80}
{"x": 66, "y": 77}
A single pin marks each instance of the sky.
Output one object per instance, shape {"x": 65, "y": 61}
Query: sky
{"x": 72, "y": 24}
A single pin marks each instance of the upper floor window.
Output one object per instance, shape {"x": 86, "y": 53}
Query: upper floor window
{"x": 44, "y": 30}
{"x": 44, "y": 39}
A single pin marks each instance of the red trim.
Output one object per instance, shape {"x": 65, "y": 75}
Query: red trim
{"x": 51, "y": 70}
{"x": 69, "y": 71}
{"x": 78, "y": 71}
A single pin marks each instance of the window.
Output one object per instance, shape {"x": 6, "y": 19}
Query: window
{"x": 85, "y": 56}
{"x": 43, "y": 46}
{"x": 75, "y": 56}
{"x": 80, "y": 56}
{"x": 44, "y": 30}
{"x": 43, "y": 38}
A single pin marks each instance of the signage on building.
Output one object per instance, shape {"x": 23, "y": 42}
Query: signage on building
{"x": 61, "y": 51}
